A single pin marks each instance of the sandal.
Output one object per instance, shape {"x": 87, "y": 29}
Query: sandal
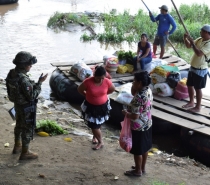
{"x": 94, "y": 141}
{"x": 99, "y": 146}
{"x": 132, "y": 173}
{"x": 143, "y": 171}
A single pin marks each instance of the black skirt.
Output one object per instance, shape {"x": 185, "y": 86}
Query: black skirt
{"x": 141, "y": 141}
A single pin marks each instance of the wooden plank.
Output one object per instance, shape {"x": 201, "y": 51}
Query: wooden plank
{"x": 63, "y": 64}
{"x": 178, "y": 104}
{"x": 166, "y": 55}
{"x": 185, "y": 115}
{"x": 206, "y": 97}
{"x": 124, "y": 87}
{"x": 78, "y": 83}
{"x": 172, "y": 59}
{"x": 180, "y": 63}
{"x": 64, "y": 68}
{"x": 180, "y": 121}
{"x": 203, "y": 103}
{"x": 118, "y": 75}
{"x": 123, "y": 79}
{"x": 185, "y": 67}
{"x": 67, "y": 74}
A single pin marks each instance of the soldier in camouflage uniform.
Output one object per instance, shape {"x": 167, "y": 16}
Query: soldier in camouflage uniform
{"x": 21, "y": 90}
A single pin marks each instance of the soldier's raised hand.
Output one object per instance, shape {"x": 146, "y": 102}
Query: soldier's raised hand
{"x": 43, "y": 78}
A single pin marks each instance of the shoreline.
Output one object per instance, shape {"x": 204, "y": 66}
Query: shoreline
{"x": 61, "y": 162}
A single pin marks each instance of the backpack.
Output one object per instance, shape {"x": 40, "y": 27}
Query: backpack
{"x": 13, "y": 87}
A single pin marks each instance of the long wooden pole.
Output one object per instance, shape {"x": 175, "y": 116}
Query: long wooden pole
{"x": 180, "y": 17}
{"x": 157, "y": 24}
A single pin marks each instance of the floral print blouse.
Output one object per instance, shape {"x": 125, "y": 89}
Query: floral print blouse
{"x": 141, "y": 104}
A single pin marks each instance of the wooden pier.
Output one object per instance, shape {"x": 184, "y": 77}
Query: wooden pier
{"x": 164, "y": 108}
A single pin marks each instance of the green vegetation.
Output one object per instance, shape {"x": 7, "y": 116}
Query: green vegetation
{"x": 62, "y": 19}
{"x": 50, "y": 127}
{"x": 125, "y": 27}
{"x": 185, "y": 53}
{"x": 126, "y": 55}
{"x": 194, "y": 17}
{"x": 155, "y": 182}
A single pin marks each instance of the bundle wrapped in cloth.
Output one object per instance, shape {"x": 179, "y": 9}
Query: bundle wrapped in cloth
{"x": 112, "y": 64}
{"x": 81, "y": 70}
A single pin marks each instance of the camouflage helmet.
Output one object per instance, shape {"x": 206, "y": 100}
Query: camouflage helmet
{"x": 24, "y": 58}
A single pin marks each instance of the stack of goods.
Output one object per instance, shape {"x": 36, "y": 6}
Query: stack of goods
{"x": 164, "y": 80}
{"x": 181, "y": 90}
{"x": 112, "y": 65}
{"x": 81, "y": 70}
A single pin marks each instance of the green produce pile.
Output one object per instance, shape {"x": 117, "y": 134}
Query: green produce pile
{"x": 49, "y": 126}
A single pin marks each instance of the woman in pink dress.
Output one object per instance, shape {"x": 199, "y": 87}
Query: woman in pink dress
{"x": 96, "y": 107}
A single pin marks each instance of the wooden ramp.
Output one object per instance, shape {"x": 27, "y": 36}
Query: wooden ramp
{"x": 170, "y": 110}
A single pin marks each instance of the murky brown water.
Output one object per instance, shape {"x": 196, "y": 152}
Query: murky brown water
{"x": 23, "y": 26}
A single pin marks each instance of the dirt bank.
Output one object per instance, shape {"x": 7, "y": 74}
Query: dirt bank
{"x": 62, "y": 162}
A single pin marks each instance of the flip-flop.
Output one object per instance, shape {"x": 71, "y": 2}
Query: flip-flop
{"x": 143, "y": 172}
{"x": 94, "y": 142}
{"x": 97, "y": 148}
{"x": 132, "y": 173}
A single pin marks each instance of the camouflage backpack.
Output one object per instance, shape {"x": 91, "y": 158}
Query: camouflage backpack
{"x": 13, "y": 87}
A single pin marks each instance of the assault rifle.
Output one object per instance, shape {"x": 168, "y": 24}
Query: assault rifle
{"x": 31, "y": 107}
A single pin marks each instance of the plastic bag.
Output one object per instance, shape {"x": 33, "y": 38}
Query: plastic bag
{"x": 81, "y": 70}
{"x": 122, "y": 69}
{"x": 163, "y": 89}
{"x": 130, "y": 68}
{"x": 173, "y": 78}
{"x": 125, "y": 135}
{"x": 124, "y": 97}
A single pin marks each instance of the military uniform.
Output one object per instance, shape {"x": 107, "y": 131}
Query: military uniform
{"x": 21, "y": 90}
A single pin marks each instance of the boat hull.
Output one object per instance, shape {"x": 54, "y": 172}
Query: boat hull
{"x": 3, "y": 2}
{"x": 197, "y": 144}
{"x": 65, "y": 89}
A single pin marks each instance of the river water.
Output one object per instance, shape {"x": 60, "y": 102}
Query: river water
{"x": 23, "y": 27}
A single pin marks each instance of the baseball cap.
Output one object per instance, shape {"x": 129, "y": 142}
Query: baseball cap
{"x": 164, "y": 7}
{"x": 206, "y": 27}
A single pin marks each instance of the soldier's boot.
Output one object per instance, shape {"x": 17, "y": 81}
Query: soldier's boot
{"x": 17, "y": 147}
{"x": 27, "y": 154}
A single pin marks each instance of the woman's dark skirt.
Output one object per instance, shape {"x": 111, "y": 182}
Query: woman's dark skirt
{"x": 95, "y": 115}
{"x": 141, "y": 141}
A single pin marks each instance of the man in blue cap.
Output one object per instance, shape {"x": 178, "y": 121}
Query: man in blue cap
{"x": 165, "y": 20}
{"x": 198, "y": 71}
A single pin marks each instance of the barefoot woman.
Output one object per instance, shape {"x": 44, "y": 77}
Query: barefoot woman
{"x": 139, "y": 112}
{"x": 96, "y": 106}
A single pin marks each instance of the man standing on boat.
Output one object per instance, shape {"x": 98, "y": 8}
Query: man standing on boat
{"x": 199, "y": 66}
{"x": 164, "y": 21}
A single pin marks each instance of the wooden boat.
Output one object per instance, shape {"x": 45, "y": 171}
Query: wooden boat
{"x": 3, "y": 2}
{"x": 168, "y": 114}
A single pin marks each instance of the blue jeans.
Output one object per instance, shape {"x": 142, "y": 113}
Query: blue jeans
{"x": 143, "y": 61}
